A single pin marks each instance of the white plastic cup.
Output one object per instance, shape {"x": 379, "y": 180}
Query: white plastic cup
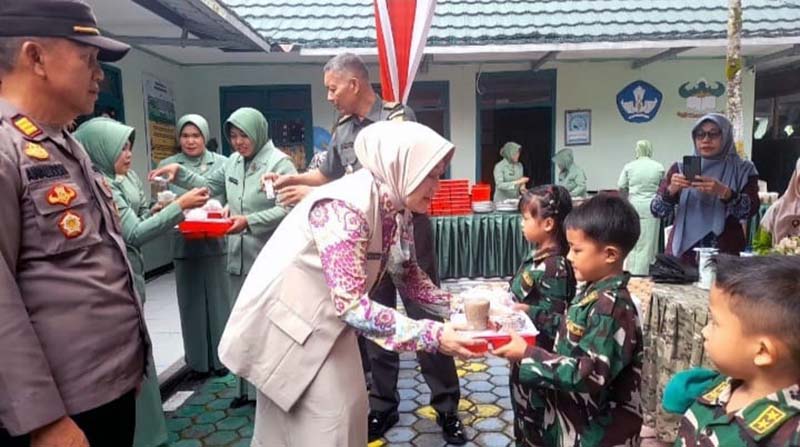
{"x": 707, "y": 274}
{"x": 269, "y": 189}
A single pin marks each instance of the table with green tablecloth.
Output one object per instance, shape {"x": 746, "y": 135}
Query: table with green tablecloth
{"x": 479, "y": 245}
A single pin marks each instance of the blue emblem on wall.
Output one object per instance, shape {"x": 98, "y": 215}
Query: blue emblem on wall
{"x": 639, "y": 102}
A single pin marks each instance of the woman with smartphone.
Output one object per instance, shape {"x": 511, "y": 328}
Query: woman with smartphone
{"x": 709, "y": 193}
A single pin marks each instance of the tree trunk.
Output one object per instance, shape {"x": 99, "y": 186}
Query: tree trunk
{"x": 733, "y": 73}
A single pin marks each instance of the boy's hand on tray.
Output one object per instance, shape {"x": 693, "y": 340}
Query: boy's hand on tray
{"x": 514, "y": 350}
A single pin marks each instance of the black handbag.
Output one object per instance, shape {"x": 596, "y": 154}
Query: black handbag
{"x": 670, "y": 270}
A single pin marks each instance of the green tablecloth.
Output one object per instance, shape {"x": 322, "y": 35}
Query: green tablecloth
{"x": 479, "y": 245}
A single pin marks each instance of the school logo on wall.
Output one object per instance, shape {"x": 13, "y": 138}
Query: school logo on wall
{"x": 701, "y": 97}
{"x": 639, "y": 102}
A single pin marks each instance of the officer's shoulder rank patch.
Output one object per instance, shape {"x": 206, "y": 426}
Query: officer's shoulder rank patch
{"x": 717, "y": 391}
{"x": 61, "y": 195}
{"x": 71, "y": 224}
{"x": 575, "y": 329}
{"x": 36, "y": 151}
{"x": 24, "y": 124}
{"x": 770, "y": 418}
{"x": 590, "y": 298}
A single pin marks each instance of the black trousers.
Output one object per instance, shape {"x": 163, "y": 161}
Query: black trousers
{"x": 438, "y": 370}
{"x": 110, "y": 425}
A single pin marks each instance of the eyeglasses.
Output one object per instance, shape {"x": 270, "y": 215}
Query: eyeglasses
{"x": 712, "y": 135}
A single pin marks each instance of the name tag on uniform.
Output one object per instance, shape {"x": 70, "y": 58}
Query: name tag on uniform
{"x": 233, "y": 180}
{"x": 48, "y": 171}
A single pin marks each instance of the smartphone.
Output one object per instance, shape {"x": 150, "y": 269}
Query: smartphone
{"x": 691, "y": 167}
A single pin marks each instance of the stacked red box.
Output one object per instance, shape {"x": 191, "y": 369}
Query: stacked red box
{"x": 481, "y": 192}
{"x": 452, "y": 199}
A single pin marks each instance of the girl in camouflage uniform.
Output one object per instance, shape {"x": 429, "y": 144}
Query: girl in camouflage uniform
{"x": 542, "y": 287}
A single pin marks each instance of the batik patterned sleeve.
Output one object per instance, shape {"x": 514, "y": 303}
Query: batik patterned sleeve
{"x": 414, "y": 283}
{"x": 745, "y": 203}
{"x": 663, "y": 203}
{"x": 341, "y": 234}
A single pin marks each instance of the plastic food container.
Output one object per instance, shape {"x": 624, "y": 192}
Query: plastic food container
{"x": 202, "y": 229}
{"x": 495, "y": 339}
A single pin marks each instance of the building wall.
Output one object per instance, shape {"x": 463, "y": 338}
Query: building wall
{"x": 594, "y": 86}
{"x": 580, "y": 85}
{"x": 133, "y": 66}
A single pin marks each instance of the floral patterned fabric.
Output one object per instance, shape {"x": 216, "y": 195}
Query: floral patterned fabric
{"x": 341, "y": 233}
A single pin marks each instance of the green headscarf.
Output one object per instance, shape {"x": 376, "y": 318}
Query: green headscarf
{"x": 253, "y": 124}
{"x": 508, "y": 150}
{"x": 644, "y": 148}
{"x": 103, "y": 138}
{"x": 198, "y": 121}
{"x": 564, "y": 158}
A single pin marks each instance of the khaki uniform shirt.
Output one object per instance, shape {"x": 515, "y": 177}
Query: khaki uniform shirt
{"x": 341, "y": 158}
{"x": 72, "y": 334}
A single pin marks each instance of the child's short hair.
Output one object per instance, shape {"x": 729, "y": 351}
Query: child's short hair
{"x": 608, "y": 220}
{"x": 552, "y": 201}
{"x": 764, "y": 293}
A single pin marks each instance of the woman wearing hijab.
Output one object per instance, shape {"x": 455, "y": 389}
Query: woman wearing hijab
{"x": 204, "y": 297}
{"x": 108, "y": 144}
{"x": 709, "y": 209}
{"x": 298, "y": 344}
{"x": 570, "y": 175}
{"x": 639, "y": 180}
{"x": 783, "y": 217}
{"x": 508, "y": 179}
{"x": 255, "y": 217}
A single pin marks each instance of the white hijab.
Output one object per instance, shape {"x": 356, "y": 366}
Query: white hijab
{"x": 400, "y": 155}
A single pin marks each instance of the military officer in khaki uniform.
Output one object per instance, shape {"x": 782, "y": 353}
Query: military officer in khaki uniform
{"x": 349, "y": 90}
{"x": 72, "y": 337}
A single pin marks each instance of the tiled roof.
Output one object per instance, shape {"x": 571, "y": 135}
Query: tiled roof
{"x": 350, "y": 23}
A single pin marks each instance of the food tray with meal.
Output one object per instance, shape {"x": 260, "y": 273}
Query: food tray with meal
{"x": 205, "y": 222}
{"x": 488, "y": 314}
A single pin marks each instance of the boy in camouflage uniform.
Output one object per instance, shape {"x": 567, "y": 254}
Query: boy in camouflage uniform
{"x": 590, "y": 383}
{"x": 752, "y": 339}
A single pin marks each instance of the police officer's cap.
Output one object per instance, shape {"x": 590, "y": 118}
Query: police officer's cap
{"x": 70, "y": 19}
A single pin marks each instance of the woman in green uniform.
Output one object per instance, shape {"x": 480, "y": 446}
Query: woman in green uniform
{"x": 508, "y": 179}
{"x": 108, "y": 143}
{"x": 570, "y": 175}
{"x": 255, "y": 217}
{"x": 639, "y": 180}
{"x": 204, "y": 297}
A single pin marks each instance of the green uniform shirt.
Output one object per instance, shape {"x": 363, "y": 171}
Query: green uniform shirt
{"x": 771, "y": 421}
{"x": 594, "y": 375}
{"x": 240, "y": 182}
{"x": 203, "y": 165}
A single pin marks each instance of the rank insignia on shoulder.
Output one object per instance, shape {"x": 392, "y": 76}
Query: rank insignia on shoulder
{"x": 71, "y": 224}
{"x": 24, "y": 124}
{"x": 527, "y": 278}
{"x": 343, "y": 120}
{"x": 770, "y": 418}
{"x": 36, "y": 151}
{"x": 61, "y": 195}
{"x": 717, "y": 391}
{"x": 591, "y": 297}
{"x": 575, "y": 329}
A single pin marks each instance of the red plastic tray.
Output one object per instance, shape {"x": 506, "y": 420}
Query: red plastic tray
{"x": 495, "y": 341}
{"x": 194, "y": 229}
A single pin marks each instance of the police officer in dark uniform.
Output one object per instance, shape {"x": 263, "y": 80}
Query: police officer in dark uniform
{"x": 349, "y": 90}
{"x": 73, "y": 341}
